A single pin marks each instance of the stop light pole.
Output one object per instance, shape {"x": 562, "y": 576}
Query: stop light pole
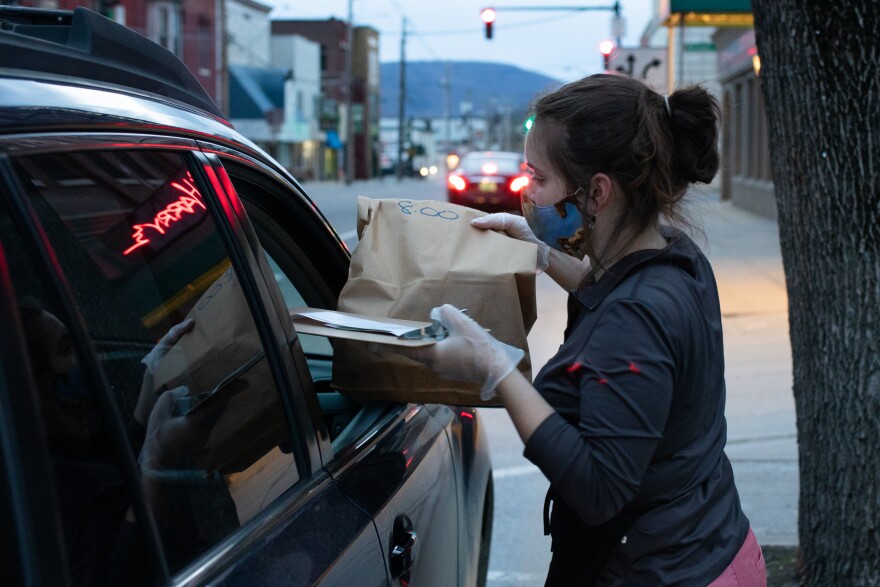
{"x": 488, "y": 14}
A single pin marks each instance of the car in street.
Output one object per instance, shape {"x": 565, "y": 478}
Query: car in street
{"x": 161, "y": 420}
{"x": 492, "y": 181}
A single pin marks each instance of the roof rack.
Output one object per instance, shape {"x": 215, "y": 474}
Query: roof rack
{"x": 86, "y": 45}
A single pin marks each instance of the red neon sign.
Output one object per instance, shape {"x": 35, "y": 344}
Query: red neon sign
{"x": 185, "y": 204}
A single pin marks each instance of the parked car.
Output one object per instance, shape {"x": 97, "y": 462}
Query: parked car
{"x": 129, "y": 203}
{"x": 489, "y": 180}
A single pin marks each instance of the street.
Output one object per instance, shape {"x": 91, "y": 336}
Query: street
{"x": 762, "y": 445}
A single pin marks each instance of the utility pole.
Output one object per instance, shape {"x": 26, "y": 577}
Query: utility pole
{"x": 222, "y": 58}
{"x": 447, "y": 106}
{"x": 349, "y": 101}
{"x": 401, "y": 101}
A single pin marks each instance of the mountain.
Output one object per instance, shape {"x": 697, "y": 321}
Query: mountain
{"x": 487, "y": 87}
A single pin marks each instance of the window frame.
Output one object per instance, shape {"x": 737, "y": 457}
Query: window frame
{"x": 37, "y": 549}
{"x": 295, "y": 203}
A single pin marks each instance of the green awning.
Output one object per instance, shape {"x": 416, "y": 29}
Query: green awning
{"x": 714, "y": 13}
{"x": 710, "y": 6}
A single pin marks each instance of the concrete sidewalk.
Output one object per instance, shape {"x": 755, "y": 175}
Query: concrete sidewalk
{"x": 762, "y": 443}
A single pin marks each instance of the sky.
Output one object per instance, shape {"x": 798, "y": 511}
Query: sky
{"x": 561, "y": 44}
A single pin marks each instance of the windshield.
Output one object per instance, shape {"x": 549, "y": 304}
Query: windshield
{"x": 506, "y": 165}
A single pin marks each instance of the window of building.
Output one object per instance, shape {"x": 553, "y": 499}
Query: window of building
{"x": 164, "y": 25}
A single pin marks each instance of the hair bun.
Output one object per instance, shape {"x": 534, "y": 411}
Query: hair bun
{"x": 694, "y": 127}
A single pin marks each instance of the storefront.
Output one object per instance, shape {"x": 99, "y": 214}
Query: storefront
{"x": 745, "y": 176}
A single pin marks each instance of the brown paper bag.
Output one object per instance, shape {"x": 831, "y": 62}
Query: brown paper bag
{"x": 224, "y": 349}
{"x": 414, "y": 255}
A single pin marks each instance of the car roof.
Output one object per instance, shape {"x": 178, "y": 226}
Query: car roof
{"x": 83, "y": 44}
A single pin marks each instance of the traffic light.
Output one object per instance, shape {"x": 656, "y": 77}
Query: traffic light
{"x": 488, "y": 16}
{"x": 606, "y": 48}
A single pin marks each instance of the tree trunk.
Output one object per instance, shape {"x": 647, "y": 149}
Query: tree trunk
{"x": 821, "y": 84}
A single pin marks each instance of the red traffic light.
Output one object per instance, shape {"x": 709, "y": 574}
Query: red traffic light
{"x": 606, "y": 48}
{"x": 488, "y": 16}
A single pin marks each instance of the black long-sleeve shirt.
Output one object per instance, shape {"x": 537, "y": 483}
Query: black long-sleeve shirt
{"x": 638, "y": 389}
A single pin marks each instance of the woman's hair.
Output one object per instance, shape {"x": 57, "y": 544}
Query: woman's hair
{"x": 613, "y": 124}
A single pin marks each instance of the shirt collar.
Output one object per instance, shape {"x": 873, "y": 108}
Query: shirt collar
{"x": 680, "y": 250}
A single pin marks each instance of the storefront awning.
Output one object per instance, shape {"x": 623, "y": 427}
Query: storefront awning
{"x": 712, "y": 13}
{"x": 333, "y": 140}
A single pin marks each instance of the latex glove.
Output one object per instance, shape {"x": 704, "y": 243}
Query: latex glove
{"x": 147, "y": 396}
{"x": 152, "y": 359}
{"x": 515, "y": 227}
{"x": 468, "y": 353}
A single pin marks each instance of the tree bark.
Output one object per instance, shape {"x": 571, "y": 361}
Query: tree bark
{"x": 821, "y": 84}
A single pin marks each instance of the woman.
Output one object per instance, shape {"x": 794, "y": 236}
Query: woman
{"x": 627, "y": 419}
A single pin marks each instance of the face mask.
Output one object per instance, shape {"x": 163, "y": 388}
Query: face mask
{"x": 548, "y": 224}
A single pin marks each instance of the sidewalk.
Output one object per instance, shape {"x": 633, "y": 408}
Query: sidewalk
{"x": 762, "y": 443}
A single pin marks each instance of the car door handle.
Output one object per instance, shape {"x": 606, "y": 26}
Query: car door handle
{"x": 404, "y": 548}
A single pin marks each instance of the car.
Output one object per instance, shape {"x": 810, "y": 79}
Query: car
{"x": 492, "y": 181}
{"x": 161, "y": 420}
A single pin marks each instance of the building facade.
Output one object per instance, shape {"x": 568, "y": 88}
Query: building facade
{"x": 248, "y": 29}
{"x": 366, "y": 100}
{"x": 332, "y": 37}
{"x": 302, "y": 140}
{"x": 188, "y": 28}
{"x": 746, "y": 177}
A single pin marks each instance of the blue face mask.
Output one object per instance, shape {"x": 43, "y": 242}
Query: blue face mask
{"x": 548, "y": 224}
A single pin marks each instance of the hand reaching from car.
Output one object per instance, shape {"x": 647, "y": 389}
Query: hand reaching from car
{"x": 515, "y": 227}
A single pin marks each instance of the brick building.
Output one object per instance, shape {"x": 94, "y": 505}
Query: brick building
{"x": 187, "y": 28}
{"x": 331, "y": 35}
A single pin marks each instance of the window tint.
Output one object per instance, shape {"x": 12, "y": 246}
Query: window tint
{"x": 173, "y": 333}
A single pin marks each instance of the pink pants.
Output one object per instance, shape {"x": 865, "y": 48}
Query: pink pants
{"x": 747, "y": 568}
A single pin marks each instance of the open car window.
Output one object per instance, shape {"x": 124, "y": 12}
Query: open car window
{"x": 302, "y": 256}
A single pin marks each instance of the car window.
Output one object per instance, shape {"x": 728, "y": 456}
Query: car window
{"x": 314, "y": 346}
{"x": 303, "y": 258}
{"x": 478, "y": 163}
{"x": 173, "y": 333}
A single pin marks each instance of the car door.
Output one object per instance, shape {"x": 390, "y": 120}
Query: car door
{"x": 128, "y": 234}
{"x": 393, "y": 460}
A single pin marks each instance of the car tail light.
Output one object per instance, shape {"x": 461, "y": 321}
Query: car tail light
{"x": 457, "y": 183}
{"x": 518, "y": 184}
{"x": 490, "y": 168}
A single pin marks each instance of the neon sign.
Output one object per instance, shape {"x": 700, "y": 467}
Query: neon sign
{"x": 187, "y": 203}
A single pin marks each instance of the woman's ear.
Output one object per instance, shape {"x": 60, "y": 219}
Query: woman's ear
{"x": 601, "y": 189}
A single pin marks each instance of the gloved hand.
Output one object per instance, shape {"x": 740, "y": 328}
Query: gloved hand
{"x": 515, "y": 227}
{"x": 151, "y": 360}
{"x": 147, "y": 396}
{"x": 468, "y": 353}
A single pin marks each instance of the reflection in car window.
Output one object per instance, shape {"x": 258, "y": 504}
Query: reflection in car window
{"x": 173, "y": 333}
